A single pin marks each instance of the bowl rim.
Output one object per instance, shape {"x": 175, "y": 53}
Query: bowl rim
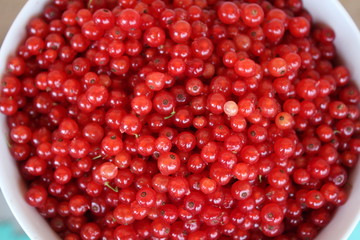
{"x": 348, "y": 47}
{"x": 13, "y": 190}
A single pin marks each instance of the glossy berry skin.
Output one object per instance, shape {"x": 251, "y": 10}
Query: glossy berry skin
{"x": 241, "y": 190}
{"x": 155, "y": 81}
{"x": 141, "y": 105}
{"x": 154, "y": 37}
{"x": 180, "y": 31}
{"x": 112, "y": 145}
{"x": 307, "y": 89}
{"x": 249, "y": 154}
{"x": 272, "y": 214}
{"x": 128, "y": 20}
{"x": 278, "y": 177}
{"x": 104, "y": 18}
{"x": 314, "y": 199}
{"x": 178, "y": 187}
{"x": 36, "y": 196}
{"x": 90, "y": 231}
{"x": 168, "y": 163}
{"x": 284, "y": 147}
{"x": 68, "y": 128}
{"x": 202, "y": 48}
{"x": 108, "y": 170}
{"x": 21, "y": 134}
{"x": 78, "y": 205}
{"x": 299, "y": 27}
{"x": 253, "y": 15}
{"x": 245, "y": 68}
{"x": 123, "y": 214}
{"x": 146, "y": 197}
{"x": 228, "y": 13}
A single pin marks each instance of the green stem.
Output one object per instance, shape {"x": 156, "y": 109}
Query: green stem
{"x": 89, "y": 3}
{"x": 171, "y": 114}
{"x": 115, "y": 189}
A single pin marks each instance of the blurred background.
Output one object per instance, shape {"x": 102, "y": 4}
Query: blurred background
{"x": 8, "y": 11}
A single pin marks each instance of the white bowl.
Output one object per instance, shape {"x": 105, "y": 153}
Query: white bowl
{"x": 347, "y": 43}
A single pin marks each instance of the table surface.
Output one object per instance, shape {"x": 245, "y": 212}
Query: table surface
{"x": 9, "y": 9}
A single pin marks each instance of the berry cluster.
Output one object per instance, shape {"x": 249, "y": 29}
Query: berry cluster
{"x": 182, "y": 119}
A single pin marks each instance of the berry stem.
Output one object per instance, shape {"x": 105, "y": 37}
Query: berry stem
{"x": 89, "y": 3}
{"x": 171, "y": 114}
{"x": 116, "y": 189}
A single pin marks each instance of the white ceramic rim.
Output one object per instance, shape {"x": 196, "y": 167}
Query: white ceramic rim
{"x": 348, "y": 45}
{"x": 13, "y": 190}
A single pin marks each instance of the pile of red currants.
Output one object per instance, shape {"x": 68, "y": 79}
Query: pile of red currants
{"x": 182, "y": 119}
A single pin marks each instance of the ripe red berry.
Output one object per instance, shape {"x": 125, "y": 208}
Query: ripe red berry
{"x": 154, "y": 37}
{"x": 128, "y": 20}
{"x": 299, "y": 27}
{"x": 228, "y": 13}
{"x": 272, "y": 214}
{"x": 155, "y": 81}
{"x": 241, "y": 190}
{"x": 245, "y": 67}
{"x": 168, "y": 163}
{"x": 284, "y": 147}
